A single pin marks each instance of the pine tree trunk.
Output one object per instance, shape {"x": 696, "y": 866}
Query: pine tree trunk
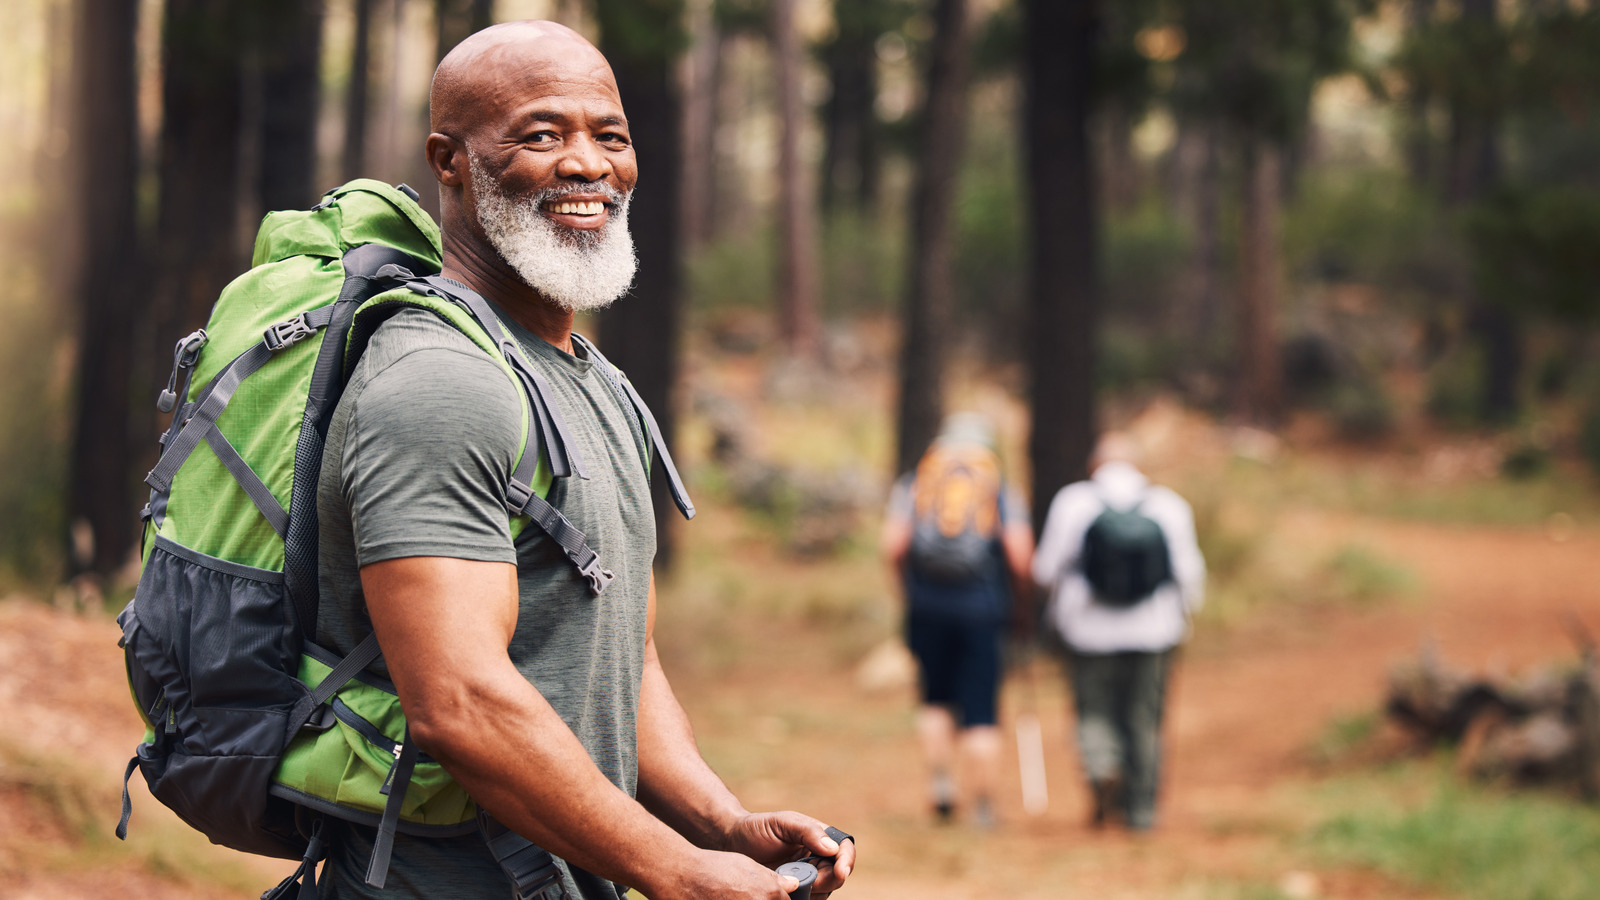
{"x": 1063, "y": 287}
{"x": 641, "y": 332}
{"x": 289, "y": 40}
{"x": 105, "y": 147}
{"x": 850, "y": 153}
{"x": 1258, "y": 388}
{"x": 456, "y": 20}
{"x": 927, "y": 312}
{"x": 199, "y": 249}
{"x": 702, "y": 83}
{"x": 1475, "y": 169}
{"x": 356, "y": 99}
{"x": 1198, "y": 205}
{"x": 798, "y": 315}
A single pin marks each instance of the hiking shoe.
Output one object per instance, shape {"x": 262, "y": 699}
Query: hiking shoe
{"x": 944, "y": 811}
{"x": 1107, "y": 793}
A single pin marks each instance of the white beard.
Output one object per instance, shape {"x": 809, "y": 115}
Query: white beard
{"x": 576, "y": 270}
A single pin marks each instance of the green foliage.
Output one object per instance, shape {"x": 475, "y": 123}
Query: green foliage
{"x": 1368, "y": 225}
{"x": 1142, "y": 256}
{"x": 1469, "y": 842}
{"x": 1344, "y": 736}
{"x": 732, "y": 272}
{"x": 641, "y": 30}
{"x": 863, "y": 264}
{"x": 1453, "y": 392}
{"x": 35, "y": 421}
{"x": 1361, "y": 409}
{"x": 1253, "y": 63}
{"x": 1589, "y": 435}
{"x": 1357, "y": 573}
{"x": 1534, "y": 250}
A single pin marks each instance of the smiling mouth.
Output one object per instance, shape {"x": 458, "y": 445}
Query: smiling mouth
{"x": 575, "y": 208}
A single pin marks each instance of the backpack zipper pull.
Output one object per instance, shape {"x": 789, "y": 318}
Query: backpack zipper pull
{"x": 184, "y": 356}
{"x": 388, "y": 781}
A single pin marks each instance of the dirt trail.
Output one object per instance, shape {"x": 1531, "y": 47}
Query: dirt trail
{"x": 1246, "y": 705}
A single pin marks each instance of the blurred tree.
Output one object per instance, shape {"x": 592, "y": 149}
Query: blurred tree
{"x": 288, "y": 39}
{"x": 199, "y": 249}
{"x": 104, "y": 155}
{"x": 1251, "y": 67}
{"x": 643, "y": 40}
{"x": 926, "y": 314}
{"x": 702, "y": 85}
{"x": 353, "y": 162}
{"x": 851, "y": 153}
{"x": 456, "y": 19}
{"x": 798, "y": 314}
{"x": 1060, "y": 61}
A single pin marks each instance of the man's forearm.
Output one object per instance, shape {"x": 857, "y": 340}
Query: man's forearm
{"x": 516, "y": 757}
{"x": 675, "y": 783}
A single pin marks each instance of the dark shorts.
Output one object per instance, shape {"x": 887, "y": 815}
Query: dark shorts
{"x": 959, "y": 659}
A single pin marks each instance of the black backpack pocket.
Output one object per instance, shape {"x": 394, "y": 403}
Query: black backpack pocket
{"x": 210, "y": 649}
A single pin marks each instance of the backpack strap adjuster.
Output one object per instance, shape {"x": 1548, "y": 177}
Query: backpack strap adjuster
{"x": 287, "y": 334}
{"x": 599, "y": 579}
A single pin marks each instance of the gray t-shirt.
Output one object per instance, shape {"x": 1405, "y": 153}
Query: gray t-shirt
{"x": 418, "y": 455}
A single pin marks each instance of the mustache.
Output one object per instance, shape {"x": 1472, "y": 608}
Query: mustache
{"x": 613, "y": 196}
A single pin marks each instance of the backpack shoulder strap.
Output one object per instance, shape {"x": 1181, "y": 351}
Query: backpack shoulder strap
{"x": 548, "y": 438}
{"x": 680, "y": 494}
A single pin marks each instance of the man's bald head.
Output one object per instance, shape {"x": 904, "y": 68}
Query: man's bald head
{"x": 475, "y": 81}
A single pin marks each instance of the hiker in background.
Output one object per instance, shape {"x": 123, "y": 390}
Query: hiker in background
{"x": 958, "y": 539}
{"x": 1120, "y": 557}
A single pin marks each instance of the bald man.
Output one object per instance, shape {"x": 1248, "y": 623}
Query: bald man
{"x": 546, "y": 702}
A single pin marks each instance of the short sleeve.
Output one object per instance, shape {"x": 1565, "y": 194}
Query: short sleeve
{"x": 432, "y": 442}
{"x": 1013, "y": 509}
{"x": 900, "y": 499}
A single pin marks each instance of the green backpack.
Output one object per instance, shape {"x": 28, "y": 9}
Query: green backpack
{"x": 254, "y": 731}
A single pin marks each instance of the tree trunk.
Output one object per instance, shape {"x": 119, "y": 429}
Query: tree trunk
{"x": 702, "y": 83}
{"x": 200, "y": 147}
{"x": 798, "y": 316}
{"x": 850, "y": 151}
{"x": 1475, "y": 169}
{"x": 642, "y": 41}
{"x": 926, "y": 316}
{"x": 1059, "y": 53}
{"x": 1419, "y": 138}
{"x": 289, "y": 38}
{"x": 356, "y": 100}
{"x": 1258, "y": 386}
{"x": 458, "y": 19}
{"x": 1198, "y": 201}
{"x": 105, "y": 145}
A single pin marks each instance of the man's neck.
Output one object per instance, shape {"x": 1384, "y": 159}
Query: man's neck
{"x": 481, "y": 268}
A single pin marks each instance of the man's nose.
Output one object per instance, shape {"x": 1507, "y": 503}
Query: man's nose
{"x": 583, "y": 159}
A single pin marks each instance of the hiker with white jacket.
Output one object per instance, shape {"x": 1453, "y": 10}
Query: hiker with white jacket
{"x": 1125, "y": 573}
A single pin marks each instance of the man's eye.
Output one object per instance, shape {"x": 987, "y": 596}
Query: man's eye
{"x": 542, "y": 137}
{"x": 616, "y": 139}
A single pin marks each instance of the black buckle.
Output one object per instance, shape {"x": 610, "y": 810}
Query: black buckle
{"x": 287, "y": 334}
{"x": 599, "y": 579}
{"x": 547, "y": 887}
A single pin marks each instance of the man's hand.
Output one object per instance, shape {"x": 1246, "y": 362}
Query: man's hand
{"x": 779, "y": 837}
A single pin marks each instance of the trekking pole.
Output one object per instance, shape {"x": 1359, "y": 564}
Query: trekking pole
{"x": 805, "y": 873}
{"x": 1030, "y": 745}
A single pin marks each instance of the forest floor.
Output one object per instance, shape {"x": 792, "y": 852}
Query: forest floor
{"x": 767, "y": 653}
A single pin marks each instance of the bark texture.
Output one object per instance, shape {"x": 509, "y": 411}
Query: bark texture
{"x": 1063, "y": 285}
{"x": 356, "y": 98}
{"x": 289, "y": 43}
{"x": 104, "y": 144}
{"x": 642, "y": 40}
{"x": 927, "y": 312}
{"x": 1258, "y": 395}
{"x": 798, "y": 316}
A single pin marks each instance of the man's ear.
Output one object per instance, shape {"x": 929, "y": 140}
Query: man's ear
{"x": 447, "y": 157}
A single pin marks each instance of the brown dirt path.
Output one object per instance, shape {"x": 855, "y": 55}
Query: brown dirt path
{"x": 1246, "y": 706}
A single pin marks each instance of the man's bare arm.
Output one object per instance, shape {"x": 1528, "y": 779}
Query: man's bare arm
{"x": 444, "y": 626}
{"x": 676, "y": 785}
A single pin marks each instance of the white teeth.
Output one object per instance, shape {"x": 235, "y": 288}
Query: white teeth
{"x": 590, "y": 208}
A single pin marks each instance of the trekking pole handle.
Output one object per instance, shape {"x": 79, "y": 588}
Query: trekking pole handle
{"x": 803, "y": 872}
